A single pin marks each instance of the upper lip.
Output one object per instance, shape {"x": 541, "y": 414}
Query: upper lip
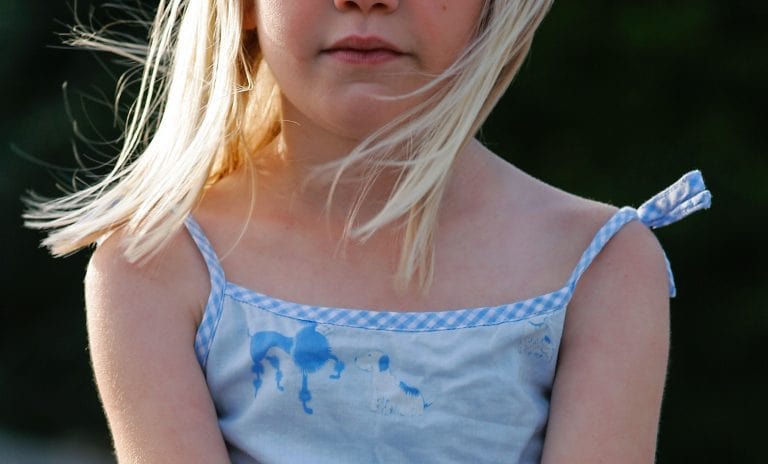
{"x": 363, "y": 43}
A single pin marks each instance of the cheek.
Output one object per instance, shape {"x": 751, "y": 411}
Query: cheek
{"x": 280, "y": 22}
{"x": 449, "y": 26}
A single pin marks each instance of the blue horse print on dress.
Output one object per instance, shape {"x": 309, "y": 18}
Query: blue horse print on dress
{"x": 308, "y": 349}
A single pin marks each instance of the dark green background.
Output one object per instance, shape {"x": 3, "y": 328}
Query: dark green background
{"x": 616, "y": 101}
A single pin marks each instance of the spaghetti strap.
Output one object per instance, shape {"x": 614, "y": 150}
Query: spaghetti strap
{"x": 206, "y": 249}
{"x": 686, "y": 196}
{"x": 212, "y": 313}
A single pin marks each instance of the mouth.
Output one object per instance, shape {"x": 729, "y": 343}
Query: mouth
{"x": 363, "y": 50}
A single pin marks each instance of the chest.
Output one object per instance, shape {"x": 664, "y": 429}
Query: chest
{"x": 480, "y": 265}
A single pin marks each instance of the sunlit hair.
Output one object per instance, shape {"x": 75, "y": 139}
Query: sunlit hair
{"x": 207, "y": 102}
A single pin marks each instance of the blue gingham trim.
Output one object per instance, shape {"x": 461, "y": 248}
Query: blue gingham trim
{"x": 687, "y": 195}
{"x": 213, "y": 308}
{"x": 398, "y": 321}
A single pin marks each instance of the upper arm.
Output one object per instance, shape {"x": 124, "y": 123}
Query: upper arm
{"x": 141, "y": 327}
{"x": 608, "y": 387}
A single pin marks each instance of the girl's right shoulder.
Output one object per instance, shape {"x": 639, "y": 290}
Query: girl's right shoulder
{"x": 175, "y": 278}
{"x": 142, "y": 320}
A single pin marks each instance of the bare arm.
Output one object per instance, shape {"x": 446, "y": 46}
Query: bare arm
{"x": 609, "y": 383}
{"x": 141, "y": 326}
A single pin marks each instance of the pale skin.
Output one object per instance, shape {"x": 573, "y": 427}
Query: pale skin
{"x": 496, "y": 220}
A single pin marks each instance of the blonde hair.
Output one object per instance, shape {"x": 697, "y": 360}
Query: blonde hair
{"x": 207, "y": 100}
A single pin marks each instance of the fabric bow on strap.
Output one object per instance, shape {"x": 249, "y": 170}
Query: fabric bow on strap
{"x": 687, "y": 195}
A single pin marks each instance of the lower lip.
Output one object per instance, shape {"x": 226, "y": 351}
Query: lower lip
{"x": 364, "y": 57}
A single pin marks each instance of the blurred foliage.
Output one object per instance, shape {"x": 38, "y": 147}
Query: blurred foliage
{"x": 615, "y": 102}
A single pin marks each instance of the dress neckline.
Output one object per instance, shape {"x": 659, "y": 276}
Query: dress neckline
{"x": 409, "y": 321}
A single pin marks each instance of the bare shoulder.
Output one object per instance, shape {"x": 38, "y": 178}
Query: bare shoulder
{"x": 632, "y": 261}
{"x": 142, "y": 322}
{"x": 176, "y": 277}
{"x": 609, "y": 383}
{"x": 627, "y": 281}
{"x": 540, "y": 231}
{"x": 606, "y": 396}
{"x": 557, "y": 226}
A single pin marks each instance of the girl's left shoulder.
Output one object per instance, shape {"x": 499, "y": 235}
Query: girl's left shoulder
{"x": 534, "y": 235}
{"x": 630, "y": 267}
{"x": 612, "y": 360}
{"x": 613, "y": 354}
{"x": 566, "y": 224}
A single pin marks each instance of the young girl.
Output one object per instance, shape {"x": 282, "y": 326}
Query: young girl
{"x": 287, "y": 164}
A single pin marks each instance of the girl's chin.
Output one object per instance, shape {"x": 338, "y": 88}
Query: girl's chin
{"x": 357, "y": 129}
{"x": 353, "y": 117}
{"x": 359, "y": 121}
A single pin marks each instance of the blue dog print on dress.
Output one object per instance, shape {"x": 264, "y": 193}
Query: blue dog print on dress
{"x": 308, "y": 349}
{"x": 390, "y": 395}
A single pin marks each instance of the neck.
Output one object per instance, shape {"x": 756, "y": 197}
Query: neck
{"x": 285, "y": 180}
{"x": 289, "y": 172}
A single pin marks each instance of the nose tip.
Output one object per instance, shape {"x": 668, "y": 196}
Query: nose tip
{"x": 367, "y": 6}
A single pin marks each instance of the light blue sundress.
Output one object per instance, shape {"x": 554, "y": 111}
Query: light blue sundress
{"x": 294, "y": 383}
